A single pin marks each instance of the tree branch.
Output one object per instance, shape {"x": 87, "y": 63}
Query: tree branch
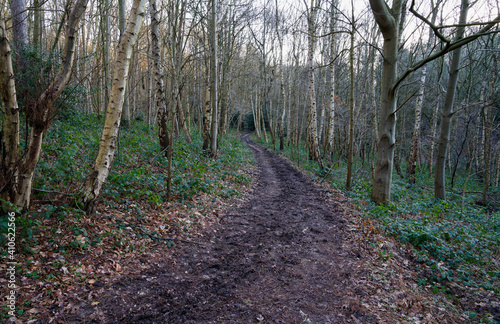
{"x": 449, "y": 48}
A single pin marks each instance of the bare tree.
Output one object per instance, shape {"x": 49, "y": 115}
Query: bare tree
{"x": 107, "y": 147}
{"x": 20, "y": 168}
{"x": 388, "y": 21}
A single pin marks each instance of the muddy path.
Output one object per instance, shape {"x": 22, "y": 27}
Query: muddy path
{"x": 279, "y": 258}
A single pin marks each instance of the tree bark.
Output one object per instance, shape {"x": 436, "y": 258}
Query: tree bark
{"x": 434, "y": 121}
{"x": 10, "y": 120}
{"x": 207, "y": 120}
{"x": 312, "y": 133}
{"x": 350, "y": 151}
{"x": 19, "y": 23}
{"x": 281, "y": 124}
{"x": 214, "y": 84}
{"x": 100, "y": 170}
{"x": 161, "y": 101}
{"x": 439, "y": 178}
{"x": 37, "y": 24}
{"x": 329, "y": 147}
{"x": 488, "y": 117}
{"x": 122, "y": 22}
{"x": 105, "y": 34}
{"x": 388, "y": 22}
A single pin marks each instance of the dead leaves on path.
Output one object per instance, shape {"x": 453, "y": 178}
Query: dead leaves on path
{"x": 388, "y": 275}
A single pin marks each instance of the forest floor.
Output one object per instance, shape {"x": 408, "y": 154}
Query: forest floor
{"x": 292, "y": 251}
{"x": 288, "y": 254}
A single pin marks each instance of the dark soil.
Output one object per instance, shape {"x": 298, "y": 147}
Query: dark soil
{"x": 283, "y": 256}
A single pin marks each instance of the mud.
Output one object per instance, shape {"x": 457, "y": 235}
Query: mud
{"x": 278, "y": 258}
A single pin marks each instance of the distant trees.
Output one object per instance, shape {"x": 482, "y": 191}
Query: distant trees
{"x": 295, "y": 74}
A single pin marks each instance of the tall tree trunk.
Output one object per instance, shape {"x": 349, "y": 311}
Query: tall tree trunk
{"x": 312, "y": 133}
{"x": 415, "y": 141}
{"x": 37, "y": 23}
{"x": 373, "y": 90}
{"x": 350, "y": 151}
{"x": 10, "y": 120}
{"x": 434, "y": 121}
{"x": 388, "y": 22}
{"x": 289, "y": 131}
{"x": 19, "y": 23}
{"x": 488, "y": 118}
{"x": 214, "y": 89}
{"x": 105, "y": 34}
{"x": 439, "y": 179}
{"x": 329, "y": 147}
{"x": 38, "y": 113}
{"x": 207, "y": 120}
{"x": 122, "y": 22}
{"x": 161, "y": 101}
{"x": 100, "y": 170}
{"x": 262, "y": 121}
{"x": 281, "y": 124}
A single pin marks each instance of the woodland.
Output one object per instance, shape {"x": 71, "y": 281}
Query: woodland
{"x": 130, "y": 128}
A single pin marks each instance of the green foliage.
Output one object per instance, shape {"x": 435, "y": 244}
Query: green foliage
{"x": 139, "y": 174}
{"x": 35, "y": 72}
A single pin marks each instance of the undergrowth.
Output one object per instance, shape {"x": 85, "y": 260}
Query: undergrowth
{"x": 137, "y": 184}
{"x": 457, "y": 241}
{"x": 59, "y": 247}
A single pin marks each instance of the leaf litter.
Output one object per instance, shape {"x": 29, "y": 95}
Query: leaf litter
{"x": 290, "y": 251}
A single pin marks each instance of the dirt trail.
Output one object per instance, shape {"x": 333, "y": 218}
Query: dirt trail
{"x": 277, "y": 259}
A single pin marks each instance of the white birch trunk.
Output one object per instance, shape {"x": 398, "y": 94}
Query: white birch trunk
{"x": 102, "y": 165}
{"x": 10, "y": 120}
{"x": 312, "y": 123}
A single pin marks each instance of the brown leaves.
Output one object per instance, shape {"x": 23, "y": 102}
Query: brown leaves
{"x": 73, "y": 259}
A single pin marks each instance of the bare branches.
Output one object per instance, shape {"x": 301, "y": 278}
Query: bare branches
{"x": 449, "y": 47}
{"x": 433, "y": 26}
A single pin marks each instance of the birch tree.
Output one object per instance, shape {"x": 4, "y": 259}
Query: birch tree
{"x": 312, "y": 123}
{"x": 214, "y": 80}
{"x": 329, "y": 142}
{"x": 18, "y": 168}
{"x": 102, "y": 164}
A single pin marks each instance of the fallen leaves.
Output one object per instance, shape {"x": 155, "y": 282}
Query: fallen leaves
{"x": 78, "y": 256}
